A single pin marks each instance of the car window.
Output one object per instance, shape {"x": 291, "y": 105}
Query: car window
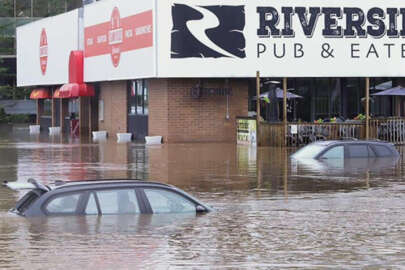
{"x": 358, "y": 151}
{"x": 334, "y": 153}
{"x": 164, "y": 201}
{"x": 309, "y": 151}
{"x": 63, "y": 204}
{"x": 91, "y": 208}
{"x": 382, "y": 151}
{"x": 117, "y": 201}
{"x": 26, "y": 201}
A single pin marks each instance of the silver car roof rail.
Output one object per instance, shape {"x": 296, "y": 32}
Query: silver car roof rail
{"x": 38, "y": 185}
{"x": 30, "y": 184}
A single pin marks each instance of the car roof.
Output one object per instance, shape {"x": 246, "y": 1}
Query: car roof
{"x": 105, "y": 182}
{"x": 332, "y": 142}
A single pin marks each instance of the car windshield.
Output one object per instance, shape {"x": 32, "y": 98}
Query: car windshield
{"x": 309, "y": 151}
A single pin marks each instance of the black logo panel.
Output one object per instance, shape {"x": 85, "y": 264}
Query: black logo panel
{"x": 208, "y": 31}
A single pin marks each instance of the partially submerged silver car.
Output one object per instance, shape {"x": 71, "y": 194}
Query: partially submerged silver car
{"x": 346, "y": 149}
{"x": 103, "y": 197}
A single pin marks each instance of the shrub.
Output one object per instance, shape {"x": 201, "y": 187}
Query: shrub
{"x": 3, "y": 116}
{"x": 18, "y": 118}
{"x": 14, "y": 118}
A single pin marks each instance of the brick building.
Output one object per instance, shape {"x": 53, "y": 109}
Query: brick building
{"x": 186, "y": 71}
{"x": 126, "y": 99}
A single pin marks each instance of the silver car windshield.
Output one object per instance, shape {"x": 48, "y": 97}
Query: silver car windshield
{"x": 309, "y": 151}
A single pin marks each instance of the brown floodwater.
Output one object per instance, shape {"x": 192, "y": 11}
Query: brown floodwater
{"x": 270, "y": 212}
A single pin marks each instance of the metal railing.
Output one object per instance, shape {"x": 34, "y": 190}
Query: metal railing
{"x": 389, "y": 129}
{"x": 296, "y": 134}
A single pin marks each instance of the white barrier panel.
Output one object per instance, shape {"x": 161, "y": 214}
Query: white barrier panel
{"x": 99, "y": 135}
{"x": 54, "y": 131}
{"x": 35, "y": 129}
{"x": 124, "y": 137}
{"x": 153, "y": 139}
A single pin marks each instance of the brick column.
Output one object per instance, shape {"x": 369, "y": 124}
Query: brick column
{"x": 93, "y": 114}
{"x": 84, "y": 104}
{"x": 40, "y": 109}
{"x": 53, "y": 112}
{"x": 64, "y": 112}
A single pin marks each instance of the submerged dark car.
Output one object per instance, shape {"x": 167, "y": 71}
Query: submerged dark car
{"x": 103, "y": 197}
{"x": 321, "y": 150}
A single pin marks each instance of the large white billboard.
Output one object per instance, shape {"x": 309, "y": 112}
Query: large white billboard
{"x": 43, "y": 49}
{"x": 281, "y": 38}
{"x": 119, "y": 40}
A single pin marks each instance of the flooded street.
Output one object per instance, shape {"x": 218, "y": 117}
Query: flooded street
{"x": 270, "y": 212}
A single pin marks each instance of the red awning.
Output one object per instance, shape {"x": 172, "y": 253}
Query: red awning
{"x": 73, "y": 90}
{"x": 40, "y": 93}
{"x": 56, "y": 94}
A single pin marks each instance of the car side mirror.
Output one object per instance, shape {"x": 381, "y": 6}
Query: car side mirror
{"x": 200, "y": 209}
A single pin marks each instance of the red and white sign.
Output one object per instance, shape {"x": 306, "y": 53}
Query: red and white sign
{"x": 119, "y": 35}
{"x": 119, "y": 40}
{"x": 43, "y": 51}
{"x": 115, "y": 37}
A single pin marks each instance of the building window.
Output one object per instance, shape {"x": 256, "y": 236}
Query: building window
{"x": 45, "y": 8}
{"x": 101, "y": 110}
{"x": 23, "y": 8}
{"x": 47, "y": 107}
{"x": 138, "y": 97}
{"x": 7, "y": 8}
{"x": 74, "y": 107}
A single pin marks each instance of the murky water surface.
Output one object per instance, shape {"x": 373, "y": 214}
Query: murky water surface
{"x": 271, "y": 213}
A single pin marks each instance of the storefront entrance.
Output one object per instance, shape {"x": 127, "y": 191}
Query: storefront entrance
{"x": 138, "y": 109}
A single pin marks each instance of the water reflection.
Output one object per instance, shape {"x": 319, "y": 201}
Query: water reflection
{"x": 270, "y": 211}
{"x": 352, "y": 166}
{"x": 107, "y": 224}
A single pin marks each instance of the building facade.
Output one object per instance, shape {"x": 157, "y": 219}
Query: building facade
{"x": 187, "y": 70}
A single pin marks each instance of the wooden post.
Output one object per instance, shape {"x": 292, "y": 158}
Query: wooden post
{"x": 285, "y": 110}
{"x": 367, "y": 108}
{"x": 258, "y": 142}
{"x": 285, "y": 173}
{"x": 259, "y": 169}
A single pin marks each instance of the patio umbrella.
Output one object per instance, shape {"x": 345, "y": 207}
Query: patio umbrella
{"x": 395, "y": 91}
{"x": 279, "y": 94}
{"x": 382, "y": 86}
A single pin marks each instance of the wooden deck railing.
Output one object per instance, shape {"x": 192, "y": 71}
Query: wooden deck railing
{"x": 272, "y": 134}
{"x": 392, "y": 130}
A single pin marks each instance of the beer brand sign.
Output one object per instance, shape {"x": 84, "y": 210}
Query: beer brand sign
{"x": 119, "y": 35}
{"x": 43, "y": 51}
{"x": 119, "y": 40}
